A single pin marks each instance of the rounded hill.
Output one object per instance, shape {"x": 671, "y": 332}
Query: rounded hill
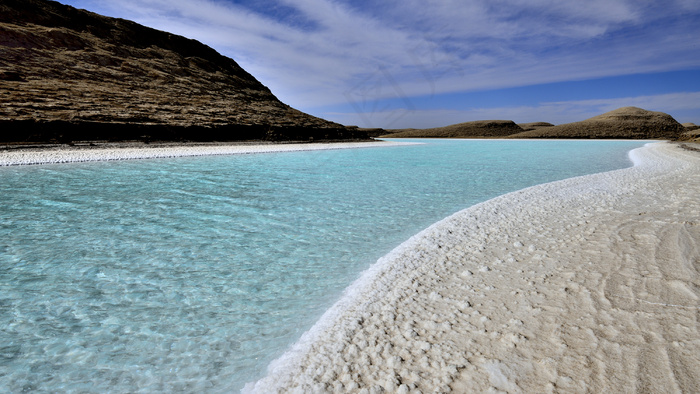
{"x": 626, "y": 122}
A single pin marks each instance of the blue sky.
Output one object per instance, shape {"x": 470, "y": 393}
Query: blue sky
{"x": 429, "y": 63}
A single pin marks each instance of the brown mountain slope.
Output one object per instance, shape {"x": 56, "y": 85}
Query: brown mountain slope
{"x": 479, "y": 128}
{"x": 626, "y": 122}
{"x": 71, "y": 74}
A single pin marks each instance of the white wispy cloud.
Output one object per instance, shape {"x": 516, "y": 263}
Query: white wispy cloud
{"x": 676, "y": 104}
{"x": 344, "y": 54}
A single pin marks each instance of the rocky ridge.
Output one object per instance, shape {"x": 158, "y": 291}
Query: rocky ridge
{"x": 70, "y": 74}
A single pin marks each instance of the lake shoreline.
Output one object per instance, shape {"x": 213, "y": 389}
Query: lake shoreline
{"x": 53, "y": 154}
{"x": 582, "y": 284}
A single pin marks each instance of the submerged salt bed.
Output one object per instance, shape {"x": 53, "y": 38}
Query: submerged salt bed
{"x": 193, "y": 274}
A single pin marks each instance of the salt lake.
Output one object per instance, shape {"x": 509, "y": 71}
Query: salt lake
{"x": 192, "y": 274}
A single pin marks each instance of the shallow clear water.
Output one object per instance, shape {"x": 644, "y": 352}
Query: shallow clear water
{"x": 192, "y": 274}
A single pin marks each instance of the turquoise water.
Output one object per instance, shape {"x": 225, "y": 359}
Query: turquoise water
{"x": 192, "y": 274}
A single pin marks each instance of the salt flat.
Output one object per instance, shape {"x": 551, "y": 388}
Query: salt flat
{"x": 127, "y": 152}
{"x": 584, "y": 285}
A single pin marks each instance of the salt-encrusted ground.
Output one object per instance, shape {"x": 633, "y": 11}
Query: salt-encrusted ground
{"x": 69, "y": 155}
{"x": 584, "y": 285}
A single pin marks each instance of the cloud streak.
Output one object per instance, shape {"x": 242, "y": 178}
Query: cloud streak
{"x": 557, "y": 112}
{"x": 333, "y": 51}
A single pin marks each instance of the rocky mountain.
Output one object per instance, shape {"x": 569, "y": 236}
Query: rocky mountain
{"x": 626, "y": 122}
{"x": 69, "y": 74}
{"x": 479, "y": 128}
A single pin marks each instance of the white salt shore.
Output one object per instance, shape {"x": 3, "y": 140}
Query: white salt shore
{"x": 72, "y": 155}
{"x": 588, "y": 284}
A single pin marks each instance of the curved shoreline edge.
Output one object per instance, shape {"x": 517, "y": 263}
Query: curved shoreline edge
{"x": 584, "y": 284}
{"x": 31, "y": 156}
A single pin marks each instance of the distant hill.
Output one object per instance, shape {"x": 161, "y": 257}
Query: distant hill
{"x": 626, "y": 122}
{"x": 534, "y": 125}
{"x": 479, "y": 128}
{"x": 690, "y": 126}
{"x": 691, "y": 133}
{"x": 69, "y": 74}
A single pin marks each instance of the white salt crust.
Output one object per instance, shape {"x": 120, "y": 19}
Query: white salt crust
{"x": 586, "y": 284}
{"x": 68, "y": 155}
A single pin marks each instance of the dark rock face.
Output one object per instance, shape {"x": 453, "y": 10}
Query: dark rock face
{"x": 626, "y": 122}
{"x": 72, "y": 74}
{"x": 479, "y": 128}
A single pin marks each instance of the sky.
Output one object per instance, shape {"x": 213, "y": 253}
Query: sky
{"x": 432, "y": 63}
